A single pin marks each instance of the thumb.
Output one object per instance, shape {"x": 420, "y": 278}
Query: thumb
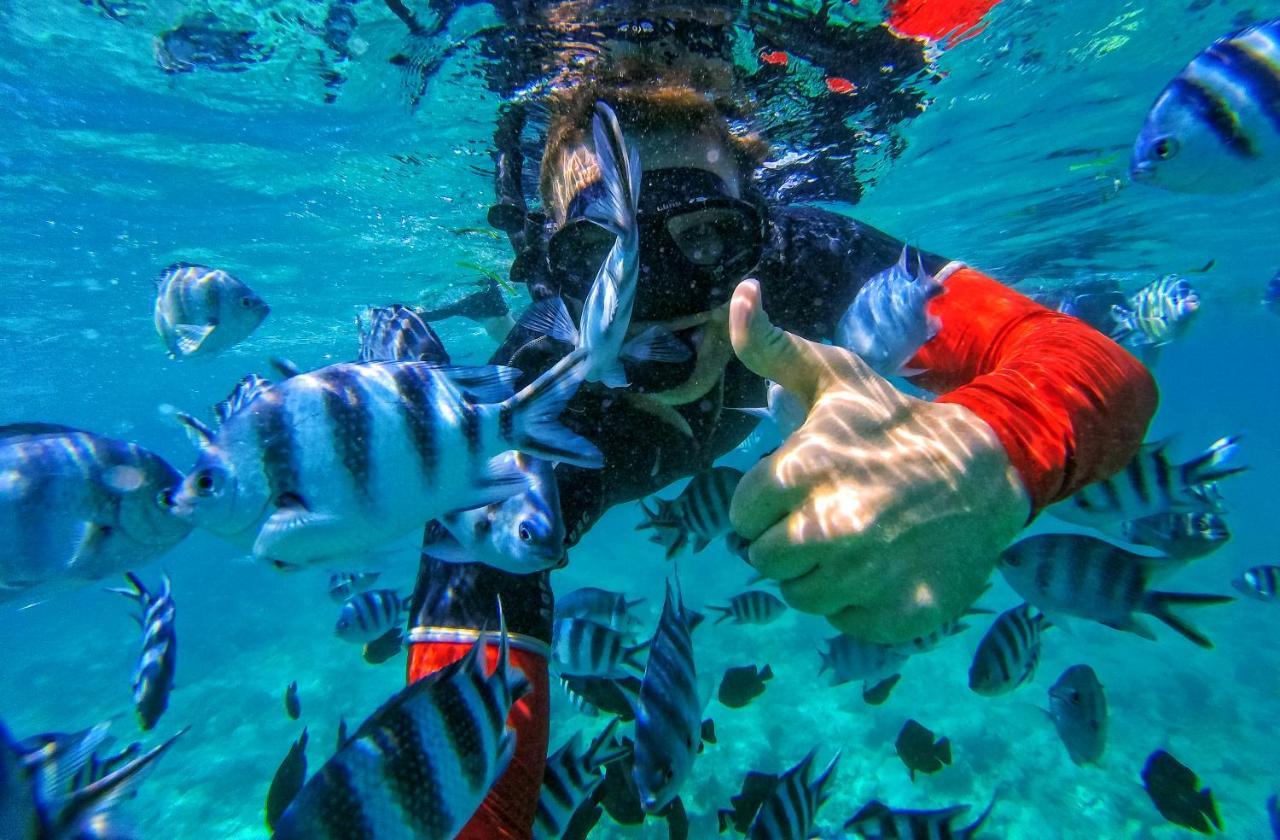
{"x": 795, "y": 363}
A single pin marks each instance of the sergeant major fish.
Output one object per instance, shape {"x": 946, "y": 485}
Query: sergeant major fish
{"x": 599, "y": 605}
{"x": 344, "y": 585}
{"x": 701, "y": 511}
{"x": 1072, "y": 574}
{"x": 370, "y": 614}
{"x": 754, "y": 606}
{"x": 201, "y": 311}
{"x": 1216, "y": 126}
{"x": 791, "y": 808}
{"x": 76, "y": 507}
{"x": 348, "y": 458}
{"x": 1009, "y": 652}
{"x": 877, "y": 665}
{"x": 1260, "y": 583}
{"x": 153, "y": 678}
{"x": 1078, "y": 709}
{"x": 398, "y": 333}
{"x": 1156, "y": 314}
{"x": 421, "y": 764}
{"x": 570, "y": 778}
{"x": 582, "y": 648}
{"x": 877, "y": 821}
{"x": 888, "y": 321}
{"x": 1183, "y": 536}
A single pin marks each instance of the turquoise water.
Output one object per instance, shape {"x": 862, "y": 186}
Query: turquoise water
{"x": 110, "y": 170}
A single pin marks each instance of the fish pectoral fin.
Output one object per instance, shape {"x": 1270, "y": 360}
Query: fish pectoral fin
{"x": 656, "y": 344}
{"x": 191, "y": 337}
{"x": 89, "y": 541}
{"x": 447, "y": 548}
{"x": 294, "y": 531}
{"x": 614, "y": 376}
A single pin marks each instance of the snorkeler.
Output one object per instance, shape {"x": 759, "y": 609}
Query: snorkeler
{"x": 883, "y": 513}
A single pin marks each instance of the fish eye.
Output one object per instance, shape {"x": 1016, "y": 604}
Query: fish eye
{"x": 668, "y": 774}
{"x": 246, "y": 302}
{"x": 207, "y": 482}
{"x": 164, "y": 499}
{"x": 1012, "y": 560}
{"x": 525, "y": 534}
{"x": 1165, "y": 148}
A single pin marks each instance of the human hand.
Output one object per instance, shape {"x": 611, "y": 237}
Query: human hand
{"x": 883, "y": 512}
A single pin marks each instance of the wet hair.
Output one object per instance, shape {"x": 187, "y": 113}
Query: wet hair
{"x": 674, "y": 104}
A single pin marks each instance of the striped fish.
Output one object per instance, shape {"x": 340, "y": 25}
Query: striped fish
{"x": 350, "y": 457}
{"x": 420, "y": 765}
{"x": 153, "y": 678}
{"x": 1150, "y": 484}
{"x": 701, "y": 510}
{"x": 343, "y": 585}
{"x": 1156, "y": 314}
{"x": 877, "y": 821}
{"x": 398, "y": 333}
{"x": 754, "y": 606}
{"x": 244, "y": 392}
{"x": 599, "y": 605}
{"x": 888, "y": 320}
{"x": 570, "y": 778}
{"x": 1216, "y": 126}
{"x": 202, "y": 311}
{"x": 582, "y": 648}
{"x": 370, "y": 614}
{"x": 1183, "y": 536}
{"x": 593, "y": 695}
{"x": 931, "y": 640}
{"x": 1077, "y": 575}
{"x": 789, "y": 812}
{"x": 669, "y": 712}
{"x": 1008, "y": 654}
{"x": 877, "y": 665}
{"x": 1260, "y": 583}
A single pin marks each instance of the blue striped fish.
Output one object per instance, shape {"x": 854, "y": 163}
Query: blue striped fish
{"x": 350, "y": 457}
{"x": 1008, "y": 654}
{"x": 398, "y": 333}
{"x": 371, "y": 614}
{"x": 754, "y": 606}
{"x": 888, "y": 321}
{"x": 789, "y": 811}
{"x": 1261, "y": 583}
{"x": 877, "y": 821}
{"x": 701, "y": 511}
{"x": 599, "y": 605}
{"x": 570, "y": 778}
{"x": 421, "y": 764}
{"x": 1216, "y": 126}
{"x": 202, "y": 311}
{"x": 153, "y": 678}
{"x": 1182, "y": 536}
{"x": 582, "y": 648}
{"x": 669, "y": 713}
{"x": 1156, "y": 314}
{"x": 343, "y": 585}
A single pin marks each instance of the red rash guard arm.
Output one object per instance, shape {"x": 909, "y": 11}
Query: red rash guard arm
{"x": 1070, "y": 405}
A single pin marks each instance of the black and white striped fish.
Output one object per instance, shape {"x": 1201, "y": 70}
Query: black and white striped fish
{"x": 1183, "y": 536}
{"x": 344, "y": 585}
{"x": 1260, "y": 583}
{"x": 583, "y": 648}
{"x": 1156, "y": 314}
{"x": 1077, "y": 575}
{"x": 1008, "y": 654}
{"x": 789, "y": 812}
{"x": 348, "y": 458}
{"x": 370, "y": 614}
{"x": 593, "y": 695}
{"x": 669, "y": 712}
{"x": 599, "y": 605}
{"x": 1216, "y": 126}
{"x": 701, "y": 511}
{"x": 201, "y": 310}
{"x": 569, "y": 779}
{"x": 398, "y": 333}
{"x": 421, "y": 764}
{"x": 1150, "y": 484}
{"x": 153, "y": 678}
{"x": 877, "y": 821}
{"x": 755, "y": 606}
{"x": 877, "y": 665}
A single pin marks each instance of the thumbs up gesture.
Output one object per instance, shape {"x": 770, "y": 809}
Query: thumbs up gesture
{"x": 883, "y": 512}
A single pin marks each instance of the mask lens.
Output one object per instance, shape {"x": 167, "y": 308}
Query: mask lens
{"x": 713, "y": 236}
{"x": 576, "y": 253}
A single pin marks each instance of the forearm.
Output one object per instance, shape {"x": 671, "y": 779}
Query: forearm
{"x": 1069, "y": 405}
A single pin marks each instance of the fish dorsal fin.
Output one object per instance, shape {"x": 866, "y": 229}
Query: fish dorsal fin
{"x": 35, "y": 429}
{"x": 551, "y": 318}
{"x": 197, "y": 432}
{"x": 483, "y": 383}
{"x": 285, "y": 367}
{"x": 246, "y": 391}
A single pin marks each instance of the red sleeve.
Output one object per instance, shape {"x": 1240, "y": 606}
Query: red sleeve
{"x": 1070, "y": 405}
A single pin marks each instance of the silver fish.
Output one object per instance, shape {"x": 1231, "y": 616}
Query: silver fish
{"x": 420, "y": 765}
{"x": 888, "y": 321}
{"x": 570, "y": 778}
{"x": 611, "y": 609}
{"x": 1156, "y": 314}
{"x": 1260, "y": 583}
{"x": 344, "y": 585}
{"x": 876, "y": 665}
{"x": 783, "y": 408}
{"x": 1182, "y": 536}
{"x": 790, "y": 810}
{"x": 200, "y": 311}
{"x": 1008, "y": 654}
{"x": 1076, "y": 575}
{"x": 877, "y": 821}
{"x": 701, "y": 511}
{"x": 1214, "y": 127}
{"x": 752, "y": 607}
{"x": 398, "y": 333}
{"x": 1078, "y": 708}
{"x": 369, "y": 615}
{"x": 348, "y": 458}
{"x": 153, "y": 678}
{"x": 669, "y": 711}
{"x": 76, "y": 507}
{"x": 1149, "y": 484}
{"x": 582, "y": 648}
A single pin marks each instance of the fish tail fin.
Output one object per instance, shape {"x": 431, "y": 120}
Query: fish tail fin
{"x": 825, "y": 658}
{"x": 972, "y": 828}
{"x": 92, "y": 800}
{"x": 620, "y": 172}
{"x": 828, "y": 773}
{"x": 1158, "y": 604}
{"x": 1211, "y": 465}
{"x": 530, "y": 419}
{"x": 517, "y": 684}
{"x": 725, "y": 612}
{"x": 944, "y": 750}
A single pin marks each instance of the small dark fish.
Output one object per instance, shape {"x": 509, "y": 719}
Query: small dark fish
{"x": 592, "y": 695}
{"x": 345, "y": 585}
{"x": 202, "y": 311}
{"x": 290, "y": 776}
{"x": 1273, "y": 815}
{"x": 1078, "y": 708}
{"x": 877, "y": 821}
{"x": 342, "y": 734}
{"x": 583, "y": 648}
{"x": 477, "y": 306}
{"x": 398, "y": 333}
{"x": 743, "y": 684}
{"x": 621, "y": 799}
{"x": 201, "y": 42}
{"x": 1177, "y": 795}
{"x": 754, "y": 606}
{"x": 701, "y": 511}
{"x": 1183, "y": 536}
{"x": 1260, "y": 583}
{"x": 153, "y": 678}
{"x": 1077, "y": 575}
{"x": 384, "y": 647}
{"x": 1009, "y": 652}
{"x": 369, "y": 615}
{"x": 1271, "y": 295}
{"x": 794, "y": 802}
{"x": 292, "y": 705}
{"x": 920, "y": 751}
{"x": 756, "y": 788}
{"x": 599, "y": 605}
